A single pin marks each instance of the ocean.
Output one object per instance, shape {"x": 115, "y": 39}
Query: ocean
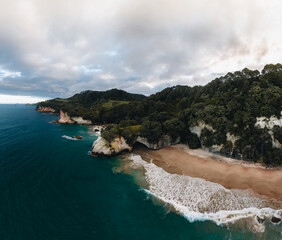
{"x": 51, "y": 188}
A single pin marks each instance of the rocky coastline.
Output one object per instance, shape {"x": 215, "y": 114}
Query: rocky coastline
{"x": 45, "y": 109}
{"x": 64, "y": 117}
{"x": 101, "y": 147}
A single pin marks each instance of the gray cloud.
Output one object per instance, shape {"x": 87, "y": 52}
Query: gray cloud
{"x": 57, "y": 48}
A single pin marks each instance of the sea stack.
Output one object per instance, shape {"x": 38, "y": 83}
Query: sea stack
{"x": 65, "y": 118}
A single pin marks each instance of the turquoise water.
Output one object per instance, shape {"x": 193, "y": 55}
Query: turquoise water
{"x": 50, "y": 188}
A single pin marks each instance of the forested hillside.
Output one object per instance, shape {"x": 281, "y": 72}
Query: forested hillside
{"x": 91, "y": 104}
{"x": 227, "y": 106}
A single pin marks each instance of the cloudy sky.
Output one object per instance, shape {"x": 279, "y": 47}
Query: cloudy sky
{"x": 51, "y": 48}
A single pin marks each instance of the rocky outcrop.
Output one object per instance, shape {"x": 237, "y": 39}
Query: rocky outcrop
{"x": 45, "y": 109}
{"x": 199, "y": 127}
{"x": 98, "y": 129}
{"x": 102, "y": 147}
{"x": 78, "y": 137}
{"x": 269, "y": 123}
{"x": 231, "y": 138}
{"x": 164, "y": 141}
{"x": 65, "y": 118}
{"x": 119, "y": 144}
{"x": 80, "y": 120}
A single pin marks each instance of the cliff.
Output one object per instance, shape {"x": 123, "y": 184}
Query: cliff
{"x": 208, "y": 143}
{"x": 269, "y": 124}
{"x": 65, "y": 118}
{"x": 164, "y": 141}
{"x": 80, "y": 120}
{"x": 231, "y": 115}
{"x": 45, "y": 109}
{"x": 102, "y": 147}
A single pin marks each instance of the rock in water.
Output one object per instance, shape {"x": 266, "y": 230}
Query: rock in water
{"x": 64, "y": 118}
{"x": 78, "y": 137}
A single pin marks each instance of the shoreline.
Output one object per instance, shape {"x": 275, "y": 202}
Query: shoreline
{"x": 230, "y": 173}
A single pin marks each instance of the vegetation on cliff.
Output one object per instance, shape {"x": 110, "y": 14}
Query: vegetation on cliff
{"x": 91, "y": 104}
{"x": 228, "y": 104}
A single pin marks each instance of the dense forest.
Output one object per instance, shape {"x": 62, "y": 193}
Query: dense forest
{"x": 228, "y": 105}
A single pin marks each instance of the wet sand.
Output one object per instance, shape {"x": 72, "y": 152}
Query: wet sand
{"x": 232, "y": 174}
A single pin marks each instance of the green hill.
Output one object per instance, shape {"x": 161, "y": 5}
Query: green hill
{"x": 89, "y": 104}
{"x": 221, "y": 115}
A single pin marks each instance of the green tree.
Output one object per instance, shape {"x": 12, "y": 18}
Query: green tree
{"x": 151, "y": 130}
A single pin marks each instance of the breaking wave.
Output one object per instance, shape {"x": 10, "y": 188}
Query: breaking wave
{"x": 69, "y": 138}
{"x": 199, "y": 200}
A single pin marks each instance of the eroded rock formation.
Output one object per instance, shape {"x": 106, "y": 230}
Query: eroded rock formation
{"x": 45, "y": 109}
{"x": 102, "y": 147}
{"x": 65, "y": 118}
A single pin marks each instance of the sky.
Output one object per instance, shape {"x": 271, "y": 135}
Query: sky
{"x": 56, "y": 48}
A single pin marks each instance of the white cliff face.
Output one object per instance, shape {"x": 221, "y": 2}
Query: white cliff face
{"x": 217, "y": 148}
{"x": 269, "y": 123}
{"x": 197, "y": 129}
{"x": 231, "y": 138}
{"x": 165, "y": 141}
{"x": 98, "y": 129}
{"x": 80, "y": 120}
{"x": 119, "y": 145}
{"x": 102, "y": 147}
{"x": 64, "y": 118}
{"x": 214, "y": 148}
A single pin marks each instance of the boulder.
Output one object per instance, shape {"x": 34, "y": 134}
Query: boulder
{"x": 77, "y": 137}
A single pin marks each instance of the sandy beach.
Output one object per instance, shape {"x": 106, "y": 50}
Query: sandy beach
{"x": 232, "y": 174}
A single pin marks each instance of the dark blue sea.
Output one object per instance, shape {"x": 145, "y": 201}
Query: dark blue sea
{"x": 51, "y": 189}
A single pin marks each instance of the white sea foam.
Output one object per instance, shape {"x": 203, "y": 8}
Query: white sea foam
{"x": 199, "y": 200}
{"x": 69, "y": 138}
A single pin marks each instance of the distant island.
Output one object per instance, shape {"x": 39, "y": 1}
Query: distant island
{"x": 237, "y": 115}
